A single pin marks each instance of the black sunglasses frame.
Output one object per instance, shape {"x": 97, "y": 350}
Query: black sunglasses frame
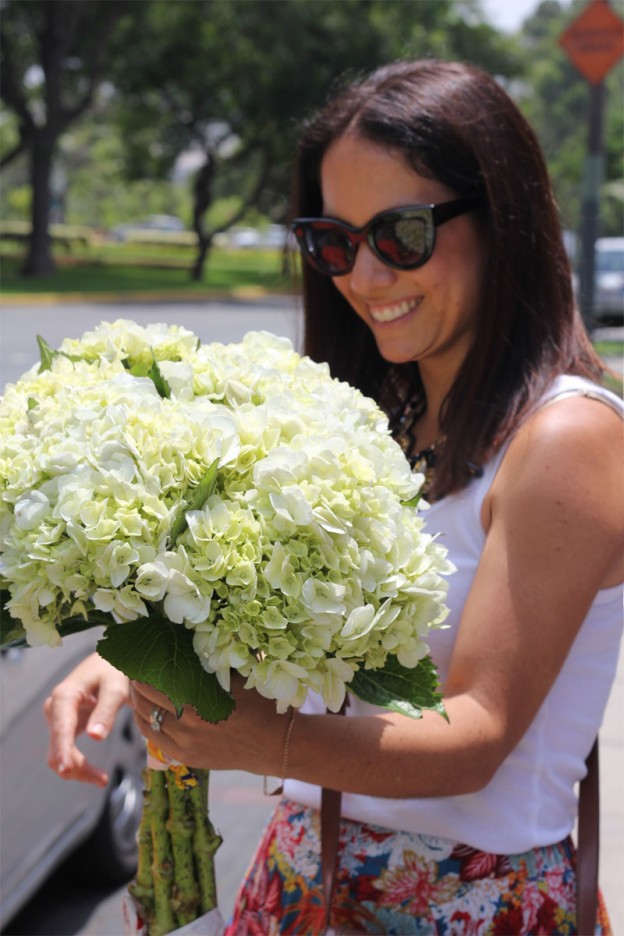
{"x": 432, "y": 215}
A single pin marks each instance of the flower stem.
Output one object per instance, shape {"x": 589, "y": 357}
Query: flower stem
{"x": 185, "y": 897}
{"x": 142, "y": 888}
{"x": 205, "y": 843}
{"x": 162, "y": 866}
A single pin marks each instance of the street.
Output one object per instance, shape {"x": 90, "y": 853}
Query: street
{"x": 239, "y": 808}
{"x": 222, "y": 321}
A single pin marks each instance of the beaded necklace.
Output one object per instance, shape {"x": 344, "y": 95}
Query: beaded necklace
{"x": 403, "y": 429}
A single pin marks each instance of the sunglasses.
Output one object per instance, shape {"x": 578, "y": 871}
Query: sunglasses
{"x": 403, "y": 238}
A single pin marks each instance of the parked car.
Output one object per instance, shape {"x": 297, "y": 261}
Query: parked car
{"x": 244, "y": 237}
{"x": 156, "y": 223}
{"x": 44, "y": 819}
{"x": 609, "y": 279}
{"x": 275, "y": 235}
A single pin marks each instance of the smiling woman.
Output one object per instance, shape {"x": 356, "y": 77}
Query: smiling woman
{"x": 471, "y": 344}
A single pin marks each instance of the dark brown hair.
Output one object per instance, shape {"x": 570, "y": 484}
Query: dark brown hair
{"x": 452, "y": 122}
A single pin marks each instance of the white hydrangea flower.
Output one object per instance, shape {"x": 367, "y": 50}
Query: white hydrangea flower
{"x": 300, "y": 565}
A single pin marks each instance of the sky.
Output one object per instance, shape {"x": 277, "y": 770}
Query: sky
{"x": 510, "y": 14}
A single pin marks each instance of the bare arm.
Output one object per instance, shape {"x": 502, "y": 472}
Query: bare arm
{"x": 554, "y": 537}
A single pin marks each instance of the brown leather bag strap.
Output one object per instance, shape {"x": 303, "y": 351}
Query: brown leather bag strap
{"x": 330, "y": 831}
{"x": 331, "y": 801}
{"x": 588, "y": 850}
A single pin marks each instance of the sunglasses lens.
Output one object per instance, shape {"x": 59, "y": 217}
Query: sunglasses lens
{"x": 403, "y": 241}
{"x": 403, "y": 238}
{"x": 326, "y": 247}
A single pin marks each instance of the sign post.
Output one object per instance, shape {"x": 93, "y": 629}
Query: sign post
{"x": 594, "y": 42}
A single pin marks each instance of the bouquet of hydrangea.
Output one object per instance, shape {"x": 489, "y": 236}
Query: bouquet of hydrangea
{"x": 216, "y": 508}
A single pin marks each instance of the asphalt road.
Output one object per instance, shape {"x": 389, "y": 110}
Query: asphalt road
{"x": 238, "y": 806}
{"x": 222, "y": 321}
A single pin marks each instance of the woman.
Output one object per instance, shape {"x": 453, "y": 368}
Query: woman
{"x": 436, "y": 281}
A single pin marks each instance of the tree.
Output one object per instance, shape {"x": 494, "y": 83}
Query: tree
{"x": 235, "y": 79}
{"x": 52, "y": 58}
{"x": 556, "y": 100}
{"x": 231, "y": 79}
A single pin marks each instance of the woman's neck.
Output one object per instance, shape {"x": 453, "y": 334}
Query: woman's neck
{"x": 436, "y": 386}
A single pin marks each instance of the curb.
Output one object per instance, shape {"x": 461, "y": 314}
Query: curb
{"x": 240, "y": 293}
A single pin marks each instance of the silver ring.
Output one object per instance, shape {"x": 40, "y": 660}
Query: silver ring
{"x": 156, "y": 719}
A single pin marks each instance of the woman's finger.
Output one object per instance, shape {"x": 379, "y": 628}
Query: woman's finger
{"x": 113, "y": 695}
{"x": 66, "y": 711}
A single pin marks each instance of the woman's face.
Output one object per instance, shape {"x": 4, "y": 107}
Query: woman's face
{"x": 428, "y": 314}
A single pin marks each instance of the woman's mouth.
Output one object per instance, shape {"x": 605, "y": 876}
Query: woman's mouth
{"x": 393, "y": 311}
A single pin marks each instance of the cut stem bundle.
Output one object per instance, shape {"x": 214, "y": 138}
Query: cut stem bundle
{"x": 175, "y": 881}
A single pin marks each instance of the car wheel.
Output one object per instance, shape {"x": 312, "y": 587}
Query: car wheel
{"x": 109, "y": 855}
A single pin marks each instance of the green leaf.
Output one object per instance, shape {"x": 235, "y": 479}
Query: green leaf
{"x": 200, "y": 495}
{"x": 157, "y": 652}
{"x": 413, "y": 502}
{"x": 163, "y": 388}
{"x": 12, "y": 632}
{"x": 141, "y": 369}
{"x": 152, "y": 370}
{"x": 78, "y": 623}
{"x": 47, "y": 354}
{"x": 395, "y": 687}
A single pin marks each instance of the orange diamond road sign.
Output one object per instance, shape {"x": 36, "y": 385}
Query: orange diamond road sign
{"x": 594, "y": 41}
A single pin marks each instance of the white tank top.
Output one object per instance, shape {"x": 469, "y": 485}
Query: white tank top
{"x": 531, "y": 800}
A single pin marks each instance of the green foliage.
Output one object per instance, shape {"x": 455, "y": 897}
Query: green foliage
{"x": 403, "y": 690}
{"x": 236, "y": 83}
{"x": 199, "y": 497}
{"x": 155, "y": 651}
{"x": 52, "y": 59}
{"x": 11, "y": 631}
{"x": 233, "y": 83}
{"x": 46, "y": 353}
{"x": 118, "y": 268}
{"x": 555, "y": 98}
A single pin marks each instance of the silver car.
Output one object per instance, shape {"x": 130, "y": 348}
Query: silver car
{"x": 609, "y": 279}
{"x": 44, "y": 819}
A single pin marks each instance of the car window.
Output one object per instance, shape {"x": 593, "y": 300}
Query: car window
{"x": 610, "y": 261}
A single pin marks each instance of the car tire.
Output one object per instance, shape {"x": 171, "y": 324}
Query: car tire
{"x": 109, "y": 855}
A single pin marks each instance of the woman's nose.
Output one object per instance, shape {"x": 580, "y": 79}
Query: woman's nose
{"x": 369, "y": 272}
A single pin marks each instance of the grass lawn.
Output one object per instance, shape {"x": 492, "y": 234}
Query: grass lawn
{"x": 610, "y": 348}
{"x": 226, "y": 270}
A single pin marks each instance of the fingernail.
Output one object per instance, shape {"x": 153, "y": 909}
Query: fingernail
{"x": 98, "y": 730}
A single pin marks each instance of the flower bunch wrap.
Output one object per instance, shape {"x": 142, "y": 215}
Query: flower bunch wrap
{"x": 216, "y": 508}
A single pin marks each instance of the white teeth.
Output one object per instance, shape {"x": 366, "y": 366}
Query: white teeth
{"x": 396, "y": 311}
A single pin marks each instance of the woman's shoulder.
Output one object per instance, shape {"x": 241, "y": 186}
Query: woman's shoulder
{"x": 576, "y": 428}
{"x": 563, "y": 471}
{"x": 575, "y": 421}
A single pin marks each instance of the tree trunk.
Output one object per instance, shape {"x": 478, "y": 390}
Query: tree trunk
{"x": 202, "y": 198}
{"x": 203, "y": 248}
{"x": 39, "y": 261}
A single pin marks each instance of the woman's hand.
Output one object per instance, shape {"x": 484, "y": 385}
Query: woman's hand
{"x": 86, "y": 701}
{"x": 250, "y": 739}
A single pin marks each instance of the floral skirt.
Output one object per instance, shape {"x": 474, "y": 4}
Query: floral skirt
{"x": 402, "y": 883}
